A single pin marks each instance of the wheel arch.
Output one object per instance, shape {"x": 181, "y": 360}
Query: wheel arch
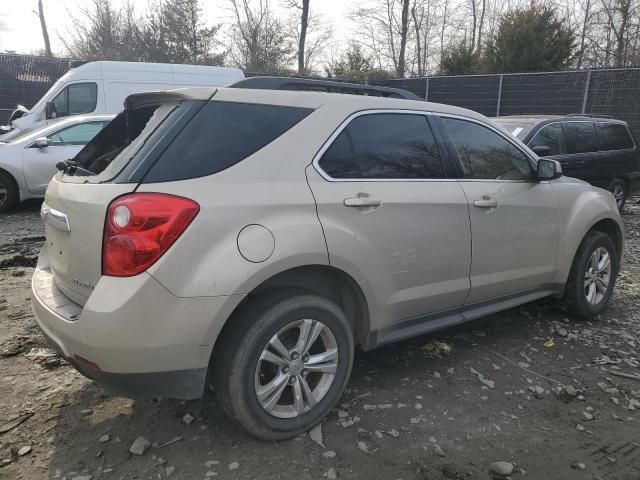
{"x": 611, "y": 228}
{"x": 323, "y": 280}
{"x": 11, "y": 176}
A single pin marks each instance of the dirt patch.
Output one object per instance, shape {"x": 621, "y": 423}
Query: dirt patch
{"x": 531, "y": 391}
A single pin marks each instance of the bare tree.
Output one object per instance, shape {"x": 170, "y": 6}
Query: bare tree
{"x": 258, "y": 37}
{"x": 45, "y": 32}
{"x": 619, "y": 13}
{"x": 584, "y": 28}
{"x": 384, "y": 30}
{"x": 311, "y": 32}
{"x": 303, "y": 7}
{"x": 171, "y": 31}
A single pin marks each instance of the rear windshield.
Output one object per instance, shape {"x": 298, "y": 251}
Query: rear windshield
{"x": 221, "y": 135}
{"x": 109, "y": 151}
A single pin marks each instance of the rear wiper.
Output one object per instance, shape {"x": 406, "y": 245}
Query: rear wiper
{"x": 70, "y": 167}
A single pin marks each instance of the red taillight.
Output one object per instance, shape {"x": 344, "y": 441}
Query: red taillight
{"x": 140, "y": 228}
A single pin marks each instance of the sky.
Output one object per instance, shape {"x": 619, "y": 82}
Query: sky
{"x": 20, "y": 27}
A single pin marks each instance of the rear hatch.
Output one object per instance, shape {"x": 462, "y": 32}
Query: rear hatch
{"x": 109, "y": 166}
{"x": 74, "y": 219}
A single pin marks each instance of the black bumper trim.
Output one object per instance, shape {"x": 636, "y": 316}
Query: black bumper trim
{"x": 180, "y": 384}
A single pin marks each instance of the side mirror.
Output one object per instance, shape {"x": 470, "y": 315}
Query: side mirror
{"x": 542, "y": 150}
{"x": 50, "y": 110}
{"x": 42, "y": 142}
{"x": 548, "y": 169}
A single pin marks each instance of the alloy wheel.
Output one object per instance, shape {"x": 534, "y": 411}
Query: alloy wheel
{"x": 296, "y": 368}
{"x": 3, "y": 194}
{"x": 618, "y": 194}
{"x": 597, "y": 275}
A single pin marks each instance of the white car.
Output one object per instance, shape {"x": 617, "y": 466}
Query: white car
{"x": 28, "y": 162}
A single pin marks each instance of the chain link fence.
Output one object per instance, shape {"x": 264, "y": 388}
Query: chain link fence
{"x": 614, "y": 92}
{"x": 25, "y": 78}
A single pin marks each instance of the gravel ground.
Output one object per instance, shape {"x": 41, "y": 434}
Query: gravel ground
{"x": 532, "y": 387}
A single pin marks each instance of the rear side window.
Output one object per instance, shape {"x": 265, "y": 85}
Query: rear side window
{"x": 484, "y": 154}
{"x": 614, "y": 136}
{"x": 221, "y": 135}
{"x": 384, "y": 146}
{"x": 580, "y": 137}
{"x": 550, "y": 136}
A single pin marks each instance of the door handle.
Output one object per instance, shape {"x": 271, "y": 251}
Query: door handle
{"x": 486, "y": 202}
{"x": 360, "y": 200}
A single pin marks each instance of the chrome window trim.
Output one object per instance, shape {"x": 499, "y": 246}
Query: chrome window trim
{"x": 345, "y": 123}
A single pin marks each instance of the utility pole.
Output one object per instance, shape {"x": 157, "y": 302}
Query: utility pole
{"x": 45, "y": 33}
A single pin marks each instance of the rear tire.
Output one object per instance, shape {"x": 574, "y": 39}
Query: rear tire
{"x": 619, "y": 190}
{"x": 9, "y": 196}
{"x": 593, "y": 275}
{"x": 270, "y": 381}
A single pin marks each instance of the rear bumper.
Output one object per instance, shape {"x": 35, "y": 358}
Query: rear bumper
{"x": 132, "y": 334}
{"x": 182, "y": 384}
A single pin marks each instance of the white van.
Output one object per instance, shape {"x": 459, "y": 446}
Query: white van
{"x": 100, "y": 88}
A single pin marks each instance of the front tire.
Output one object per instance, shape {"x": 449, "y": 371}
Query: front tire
{"x": 9, "y": 195}
{"x": 283, "y": 364}
{"x": 619, "y": 190}
{"x": 593, "y": 275}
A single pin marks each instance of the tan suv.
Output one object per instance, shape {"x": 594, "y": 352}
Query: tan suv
{"x": 253, "y": 238}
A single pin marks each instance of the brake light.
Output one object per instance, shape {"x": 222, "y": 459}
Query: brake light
{"x": 140, "y": 228}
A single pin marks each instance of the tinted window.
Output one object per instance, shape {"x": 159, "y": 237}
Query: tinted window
{"x": 221, "y": 135}
{"x": 580, "y": 137}
{"x": 387, "y": 145}
{"x": 76, "y": 99}
{"x": 339, "y": 160}
{"x": 484, "y": 154}
{"x": 76, "y": 135}
{"x": 614, "y": 136}
{"x": 549, "y": 136}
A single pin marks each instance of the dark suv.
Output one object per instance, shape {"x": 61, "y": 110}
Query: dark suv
{"x": 597, "y": 149}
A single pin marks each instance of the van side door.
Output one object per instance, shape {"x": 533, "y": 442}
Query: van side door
{"x": 619, "y": 157}
{"x": 582, "y": 159}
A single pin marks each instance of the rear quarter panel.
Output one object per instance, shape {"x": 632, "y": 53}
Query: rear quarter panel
{"x": 269, "y": 188}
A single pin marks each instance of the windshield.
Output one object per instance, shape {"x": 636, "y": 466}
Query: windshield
{"x": 517, "y": 129}
{"x": 47, "y": 95}
{"x": 118, "y": 142}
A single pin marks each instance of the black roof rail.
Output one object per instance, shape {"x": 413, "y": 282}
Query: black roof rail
{"x": 312, "y": 85}
{"x": 590, "y": 115}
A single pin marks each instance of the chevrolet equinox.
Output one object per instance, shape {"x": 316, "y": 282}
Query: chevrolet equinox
{"x": 251, "y": 238}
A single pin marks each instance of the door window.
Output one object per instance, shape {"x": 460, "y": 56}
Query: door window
{"x": 614, "y": 136}
{"x": 484, "y": 154}
{"x": 384, "y": 146}
{"x": 79, "y": 134}
{"x": 549, "y": 136}
{"x": 580, "y": 137}
{"x": 76, "y": 99}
